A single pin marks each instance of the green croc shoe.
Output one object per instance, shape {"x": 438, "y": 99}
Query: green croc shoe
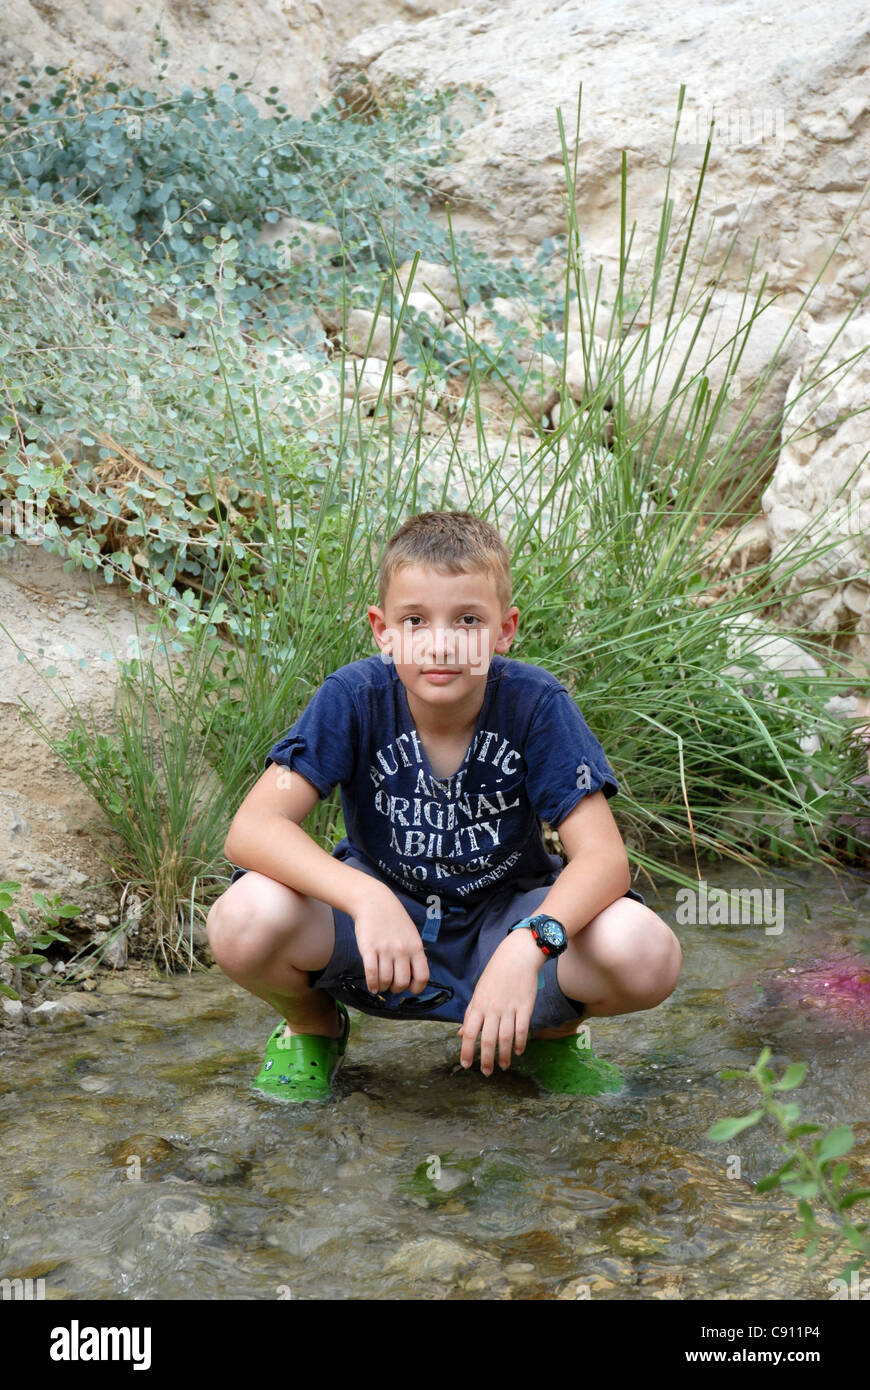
{"x": 302, "y": 1067}
{"x": 565, "y": 1066}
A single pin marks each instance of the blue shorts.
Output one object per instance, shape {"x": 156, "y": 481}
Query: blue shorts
{"x": 464, "y": 939}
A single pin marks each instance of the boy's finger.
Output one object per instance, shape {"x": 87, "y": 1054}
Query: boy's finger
{"x": 470, "y": 1029}
{"x": 401, "y": 974}
{"x": 521, "y": 1031}
{"x": 385, "y": 971}
{"x": 419, "y": 971}
{"x": 505, "y": 1039}
{"x": 488, "y": 1040}
{"x": 370, "y": 965}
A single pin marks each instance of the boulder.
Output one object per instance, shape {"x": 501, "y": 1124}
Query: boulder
{"x": 425, "y": 303}
{"x": 664, "y": 366}
{"x": 367, "y": 333}
{"x": 789, "y": 158}
{"x": 821, "y": 486}
{"x": 776, "y": 652}
{"x": 363, "y": 381}
{"x": 436, "y": 280}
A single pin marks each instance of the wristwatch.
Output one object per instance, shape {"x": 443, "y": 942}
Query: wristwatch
{"x": 548, "y": 933}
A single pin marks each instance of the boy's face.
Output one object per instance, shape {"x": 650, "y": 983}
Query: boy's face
{"x": 442, "y": 630}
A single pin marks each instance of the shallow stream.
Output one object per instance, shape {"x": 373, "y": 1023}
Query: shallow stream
{"x": 137, "y": 1164}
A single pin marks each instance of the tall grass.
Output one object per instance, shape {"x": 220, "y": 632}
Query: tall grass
{"x": 609, "y": 518}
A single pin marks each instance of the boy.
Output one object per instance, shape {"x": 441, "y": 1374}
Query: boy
{"x": 441, "y": 901}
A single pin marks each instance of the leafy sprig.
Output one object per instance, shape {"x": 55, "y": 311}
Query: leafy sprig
{"x": 814, "y": 1173}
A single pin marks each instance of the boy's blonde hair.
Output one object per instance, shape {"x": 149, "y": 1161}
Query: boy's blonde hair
{"x": 455, "y": 542}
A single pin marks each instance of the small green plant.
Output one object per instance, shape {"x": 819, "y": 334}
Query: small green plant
{"x": 53, "y": 911}
{"x": 817, "y": 1173}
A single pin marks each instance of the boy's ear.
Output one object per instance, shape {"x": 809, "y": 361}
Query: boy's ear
{"x": 380, "y": 631}
{"x": 508, "y": 629}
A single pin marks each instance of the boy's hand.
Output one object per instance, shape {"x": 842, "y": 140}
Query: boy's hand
{"x": 390, "y": 946}
{"x": 503, "y": 1002}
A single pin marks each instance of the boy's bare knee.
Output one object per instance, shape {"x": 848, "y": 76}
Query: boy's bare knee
{"x": 244, "y": 928}
{"x": 665, "y": 961}
{"x": 657, "y": 971}
{"x": 642, "y": 955}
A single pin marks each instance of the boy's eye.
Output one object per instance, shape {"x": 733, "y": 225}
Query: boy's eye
{"x": 415, "y": 618}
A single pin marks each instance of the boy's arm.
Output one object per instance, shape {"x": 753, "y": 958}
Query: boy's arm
{"x": 597, "y": 872}
{"x": 266, "y": 835}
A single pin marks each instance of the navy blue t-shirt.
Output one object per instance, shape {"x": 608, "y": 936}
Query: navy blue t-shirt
{"x": 532, "y": 756}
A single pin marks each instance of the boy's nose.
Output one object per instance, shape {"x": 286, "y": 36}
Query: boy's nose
{"x": 442, "y": 647}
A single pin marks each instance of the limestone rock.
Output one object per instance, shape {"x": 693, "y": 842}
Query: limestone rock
{"x": 769, "y": 349}
{"x": 12, "y": 1010}
{"x": 776, "y": 652}
{"x": 303, "y": 381}
{"x": 789, "y": 158}
{"x": 425, "y": 303}
{"x": 822, "y": 483}
{"x": 746, "y": 546}
{"x": 285, "y": 43}
{"x": 436, "y": 280}
{"x": 540, "y": 386}
{"x": 583, "y": 367}
{"x": 363, "y": 381}
{"x": 369, "y": 334}
{"x": 114, "y": 953}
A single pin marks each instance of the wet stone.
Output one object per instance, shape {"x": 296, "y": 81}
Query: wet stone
{"x": 178, "y": 1216}
{"x": 449, "y": 1179}
{"x": 66, "y": 1009}
{"x": 434, "y": 1258}
{"x": 610, "y": 1267}
{"x": 212, "y": 1167}
{"x": 148, "y": 1148}
{"x": 582, "y": 1288}
{"x": 631, "y": 1240}
{"x": 155, "y": 991}
{"x": 300, "y": 1237}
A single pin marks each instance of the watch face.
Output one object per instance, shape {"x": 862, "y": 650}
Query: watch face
{"x": 552, "y": 934}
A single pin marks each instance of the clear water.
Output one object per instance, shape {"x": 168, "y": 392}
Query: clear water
{"x": 234, "y": 1197}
